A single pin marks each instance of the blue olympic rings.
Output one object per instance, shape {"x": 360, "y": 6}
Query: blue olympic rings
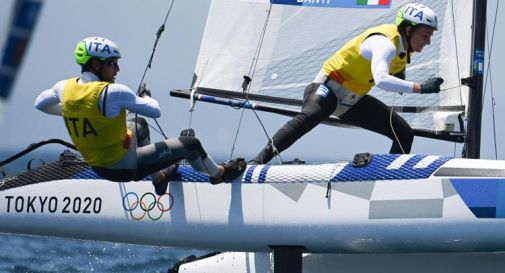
{"x": 147, "y": 209}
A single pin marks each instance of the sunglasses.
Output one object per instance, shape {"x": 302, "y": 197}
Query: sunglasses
{"x": 111, "y": 63}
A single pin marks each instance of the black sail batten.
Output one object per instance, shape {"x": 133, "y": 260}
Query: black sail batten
{"x": 237, "y": 99}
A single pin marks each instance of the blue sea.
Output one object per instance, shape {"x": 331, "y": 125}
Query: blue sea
{"x": 31, "y": 254}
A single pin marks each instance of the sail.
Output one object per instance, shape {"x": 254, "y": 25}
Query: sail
{"x": 17, "y": 21}
{"x": 282, "y": 44}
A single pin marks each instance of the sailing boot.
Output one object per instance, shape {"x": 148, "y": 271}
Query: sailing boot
{"x": 160, "y": 182}
{"x": 232, "y": 169}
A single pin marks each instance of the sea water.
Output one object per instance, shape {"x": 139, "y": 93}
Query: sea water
{"x": 43, "y": 255}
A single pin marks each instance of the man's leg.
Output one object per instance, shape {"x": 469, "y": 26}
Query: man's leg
{"x": 160, "y": 175}
{"x": 319, "y": 103}
{"x": 372, "y": 114}
{"x": 161, "y": 154}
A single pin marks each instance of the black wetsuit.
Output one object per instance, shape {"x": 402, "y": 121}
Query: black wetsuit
{"x": 368, "y": 113}
{"x": 154, "y": 157}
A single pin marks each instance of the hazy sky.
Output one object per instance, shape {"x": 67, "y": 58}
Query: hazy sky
{"x": 133, "y": 25}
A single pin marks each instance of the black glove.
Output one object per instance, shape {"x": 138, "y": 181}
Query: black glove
{"x": 431, "y": 85}
{"x": 143, "y": 91}
{"x": 400, "y": 75}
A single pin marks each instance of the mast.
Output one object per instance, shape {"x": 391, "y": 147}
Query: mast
{"x": 475, "y": 82}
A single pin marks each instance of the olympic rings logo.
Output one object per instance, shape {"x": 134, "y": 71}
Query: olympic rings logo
{"x": 146, "y": 204}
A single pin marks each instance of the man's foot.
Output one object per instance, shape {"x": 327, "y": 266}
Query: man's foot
{"x": 232, "y": 169}
{"x": 160, "y": 183}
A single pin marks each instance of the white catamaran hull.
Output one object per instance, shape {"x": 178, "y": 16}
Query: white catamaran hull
{"x": 368, "y": 210}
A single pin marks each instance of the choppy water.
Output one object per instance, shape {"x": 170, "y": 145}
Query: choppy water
{"x": 43, "y": 255}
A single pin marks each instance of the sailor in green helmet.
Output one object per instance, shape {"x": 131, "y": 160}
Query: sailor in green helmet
{"x": 94, "y": 109}
{"x": 376, "y": 57}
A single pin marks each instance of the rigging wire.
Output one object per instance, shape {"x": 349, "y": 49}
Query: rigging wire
{"x": 158, "y": 35}
{"x": 236, "y": 133}
{"x": 149, "y": 64}
{"x": 392, "y": 127}
{"x": 488, "y": 75}
{"x": 246, "y": 87}
{"x": 490, "y": 48}
{"x": 493, "y": 103}
{"x": 457, "y": 65}
{"x": 456, "y": 51}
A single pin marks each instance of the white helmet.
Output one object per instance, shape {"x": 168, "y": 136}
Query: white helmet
{"x": 97, "y": 47}
{"x": 417, "y": 14}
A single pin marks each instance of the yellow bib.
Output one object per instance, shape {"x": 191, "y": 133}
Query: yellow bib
{"x": 353, "y": 71}
{"x": 101, "y": 141}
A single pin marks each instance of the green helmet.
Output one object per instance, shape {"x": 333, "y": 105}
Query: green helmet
{"x": 97, "y": 47}
{"x": 417, "y": 14}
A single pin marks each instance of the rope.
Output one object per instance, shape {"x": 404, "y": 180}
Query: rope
{"x": 245, "y": 90}
{"x": 236, "y": 134}
{"x": 149, "y": 64}
{"x": 452, "y": 87}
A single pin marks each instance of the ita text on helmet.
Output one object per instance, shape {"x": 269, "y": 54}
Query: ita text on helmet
{"x": 417, "y": 14}
{"x": 97, "y": 47}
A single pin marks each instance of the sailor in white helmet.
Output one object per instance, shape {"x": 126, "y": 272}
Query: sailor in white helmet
{"x": 376, "y": 57}
{"x": 94, "y": 109}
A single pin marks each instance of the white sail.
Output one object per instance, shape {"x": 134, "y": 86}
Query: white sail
{"x": 297, "y": 40}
